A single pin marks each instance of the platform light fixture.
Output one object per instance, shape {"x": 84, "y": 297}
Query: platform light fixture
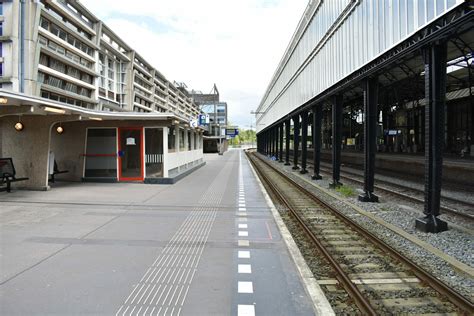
{"x": 19, "y": 125}
{"x": 95, "y": 118}
{"x": 54, "y": 110}
{"x": 59, "y": 129}
{"x": 3, "y": 100}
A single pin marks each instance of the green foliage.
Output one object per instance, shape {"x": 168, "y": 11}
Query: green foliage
{"x": 345, "y": 190}
{"x": 245, "y": 137}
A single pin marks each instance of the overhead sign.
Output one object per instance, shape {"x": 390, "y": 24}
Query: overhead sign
{"x": 232, "y": 132}
{"x": 193, "y": 123}
{"x": 203, "y": 119}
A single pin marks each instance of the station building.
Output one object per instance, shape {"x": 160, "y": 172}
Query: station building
{"x": 73, "y": 94}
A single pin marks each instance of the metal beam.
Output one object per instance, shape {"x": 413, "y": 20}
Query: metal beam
{"x": 316, "y": 134}
{"x": 435, "y": 93}
{"x": 336, "y": 140}
{"x": 296, "y": 140}
{"x": 277, "y": 151}
{"x": 370, "y": 139}
{"x": 287, "y": 142}
{"x": 280, "y": 156}
{"x": 304, "y": 141}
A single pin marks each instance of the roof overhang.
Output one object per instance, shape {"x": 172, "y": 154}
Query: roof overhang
{"x": 12, "y": 103}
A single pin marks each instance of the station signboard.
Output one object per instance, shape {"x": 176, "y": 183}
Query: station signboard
{"x": 232, "y": 132}
{"x": 203, "y": 119}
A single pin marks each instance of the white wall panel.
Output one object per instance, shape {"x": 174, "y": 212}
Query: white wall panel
{"x": 323, "y": 55}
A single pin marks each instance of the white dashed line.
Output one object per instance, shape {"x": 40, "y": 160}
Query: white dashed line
{"x": 244, "y": 268}
{"x": 243, "y": 243}
{"x": 245, "y": 310}
{"x": 242, "y": 214}
{"x": 243, "y": 226}
{"x": 242, "y": 205}
{"x": 245, "y": 287}
{"x": 242, "y": 209}
{"x": 243, "y": 254}
{"x": 243, "y": 233}
{"x": 242, "y": 219}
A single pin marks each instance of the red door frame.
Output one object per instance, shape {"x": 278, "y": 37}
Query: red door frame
{"x": 141, "y": 178}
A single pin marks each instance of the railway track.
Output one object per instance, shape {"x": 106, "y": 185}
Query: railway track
{"x": 449, "y": 205}
{"x": 378, "y": 279}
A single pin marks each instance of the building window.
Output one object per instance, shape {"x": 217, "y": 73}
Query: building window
{"x": 65, "y": 36}
{"x": 112, "y": 78}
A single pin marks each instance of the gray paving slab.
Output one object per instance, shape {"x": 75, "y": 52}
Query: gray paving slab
{"x": 136, "y": 249}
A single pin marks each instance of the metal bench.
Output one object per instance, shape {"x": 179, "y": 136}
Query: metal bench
{"x": 8, "y": 174}
{"x": 56, "y": 171}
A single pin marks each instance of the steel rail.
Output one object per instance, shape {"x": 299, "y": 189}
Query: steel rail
{"x": 359, "y": 299}
{"x": 452, "y": 295}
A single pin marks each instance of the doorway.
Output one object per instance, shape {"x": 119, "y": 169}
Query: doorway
{"x": 130, "y": 154}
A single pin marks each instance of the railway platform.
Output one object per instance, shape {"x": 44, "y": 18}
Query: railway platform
{"x": 455, "y": 169}
{"x": 207, "y": 245}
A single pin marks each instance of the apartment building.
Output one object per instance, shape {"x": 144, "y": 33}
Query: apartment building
{"x": 62, "y": 66}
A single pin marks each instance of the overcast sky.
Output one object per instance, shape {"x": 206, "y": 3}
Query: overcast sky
{"x": 235, "y": 44}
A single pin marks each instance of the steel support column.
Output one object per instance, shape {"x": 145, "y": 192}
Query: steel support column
{"x": 296, "y": 140}
{"x": 277, "y": 143}
{"x": 370, "y": 139}
{"x": 280, "y": 155}
{"x": 259, "y": 143}
{"x": 304, "y": 141}
{"x": 269, "y": 141}
{"x": 272, "y": 144}
{"x": 336, "y": 140}
{"x": 435, "y": 94}
{"x": 316, "y": 135}
{"x": 287, "y": 142}
{"x": 266, "y": 143}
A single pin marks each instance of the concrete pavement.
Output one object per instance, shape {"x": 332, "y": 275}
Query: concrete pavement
{"x": 207, "y": 245}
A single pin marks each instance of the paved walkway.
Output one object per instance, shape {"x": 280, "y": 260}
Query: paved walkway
{"x": 207, "y": 245}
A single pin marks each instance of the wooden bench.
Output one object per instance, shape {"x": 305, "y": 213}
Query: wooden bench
{"x": 56, "y": 171}
{"x": 8, "y": 174}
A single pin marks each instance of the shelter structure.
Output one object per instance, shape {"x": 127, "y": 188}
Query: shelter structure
{"x": 73, "y": 91}
{"x": 369, "y": 75}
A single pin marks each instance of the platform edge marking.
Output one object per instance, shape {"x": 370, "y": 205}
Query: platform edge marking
{"x": 320, "y": 303}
